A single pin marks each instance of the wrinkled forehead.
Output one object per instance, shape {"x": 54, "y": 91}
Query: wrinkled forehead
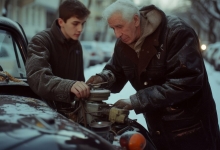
{"x": 116, "y": 18}
{"x": 116, "y": 14}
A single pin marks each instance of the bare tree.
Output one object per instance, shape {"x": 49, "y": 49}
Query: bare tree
{"x": 209, "y": 9}
{"x": 5, "y": 12}
{"x": 204, "y": 15}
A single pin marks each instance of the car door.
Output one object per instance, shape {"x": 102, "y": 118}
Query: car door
{"x": 13, "y": 48}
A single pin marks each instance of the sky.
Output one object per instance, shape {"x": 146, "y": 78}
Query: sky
{"x": 128, "y": 90}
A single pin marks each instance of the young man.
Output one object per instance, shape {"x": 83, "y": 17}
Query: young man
{"x": 160, "y": 56}
{"x": 55, "y": 59}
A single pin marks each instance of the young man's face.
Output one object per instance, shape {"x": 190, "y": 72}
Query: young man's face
{"x": 127, "y": 31}
{"x": 72, "y": 28}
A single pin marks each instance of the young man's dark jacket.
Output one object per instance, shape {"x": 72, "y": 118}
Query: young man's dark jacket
{"x": 172, "y": 86}
{"x": 53, "y": 65}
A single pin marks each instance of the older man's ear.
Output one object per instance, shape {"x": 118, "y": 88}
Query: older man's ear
{"x": 136, "y": 19}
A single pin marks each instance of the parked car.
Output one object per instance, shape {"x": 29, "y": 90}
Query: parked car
{"x": 216, "y": 57}
{"x": 107, "y": 48}
{"x": 27, "y": 122}
{"x": 91, "y": 48}
{"x": 9, "y": 57}
{"x": 210, "y": 52}
{"x": 217, "y": 61}
{"x": 86, "y": 61}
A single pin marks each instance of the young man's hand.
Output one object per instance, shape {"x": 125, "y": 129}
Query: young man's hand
{"x": 124, "y": 104}
{"x": 95, "y": 79}
{"x": 80, "y": 89}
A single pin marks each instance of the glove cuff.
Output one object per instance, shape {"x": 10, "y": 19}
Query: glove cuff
{"x": 107, "y": 76}
{"x": 102, "y": 76}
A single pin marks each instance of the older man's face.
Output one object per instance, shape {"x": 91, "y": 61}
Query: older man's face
{"x": 125, "y": 30}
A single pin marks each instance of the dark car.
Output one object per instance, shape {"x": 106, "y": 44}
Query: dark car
{"x": 27, "y": 122}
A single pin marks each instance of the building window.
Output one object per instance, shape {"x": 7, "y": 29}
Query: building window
{"x": 50, "y": 18}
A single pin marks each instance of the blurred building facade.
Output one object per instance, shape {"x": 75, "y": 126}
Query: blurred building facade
{"x": 96, "y": 28}
{"x": 37, "y": 15}
{"x": 33, "y": 15}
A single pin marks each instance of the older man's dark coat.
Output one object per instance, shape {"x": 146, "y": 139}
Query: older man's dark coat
{"x": 172, "y": 86}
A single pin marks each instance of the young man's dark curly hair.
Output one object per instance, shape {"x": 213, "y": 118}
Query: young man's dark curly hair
{"x": 72, "y": 8}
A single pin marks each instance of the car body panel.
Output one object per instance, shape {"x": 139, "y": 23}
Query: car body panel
{"x": 27, "y": 122}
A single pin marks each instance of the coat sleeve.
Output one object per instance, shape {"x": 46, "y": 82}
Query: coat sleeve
{"x": 115, "y": 67}
{"x": 40, "y": 76}
{"x": 184, "y": 74}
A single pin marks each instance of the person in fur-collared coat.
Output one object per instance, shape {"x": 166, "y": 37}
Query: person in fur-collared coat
{"x": 160, "y": 56}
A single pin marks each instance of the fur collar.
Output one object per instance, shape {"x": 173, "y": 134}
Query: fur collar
{"x": 150, "y": 20}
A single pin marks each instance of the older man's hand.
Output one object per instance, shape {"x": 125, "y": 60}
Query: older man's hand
{"x": 94, "y": 79}
{"x": 124, "y": 104}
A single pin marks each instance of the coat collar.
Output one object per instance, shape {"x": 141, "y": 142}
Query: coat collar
{"x": 148, "y": 51}
{"x": 148, "y": 48}
{"x": 150, "y": 20}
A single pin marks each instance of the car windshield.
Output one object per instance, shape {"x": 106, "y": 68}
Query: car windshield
{"x": 10, "y": 57}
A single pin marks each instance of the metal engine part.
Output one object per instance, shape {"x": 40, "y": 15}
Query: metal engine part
{"x": 94, "y": 109}
{"x": 104, "y": 119}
